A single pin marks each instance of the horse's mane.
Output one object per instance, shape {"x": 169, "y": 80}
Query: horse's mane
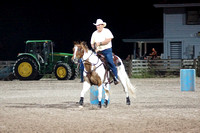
{"x": 83, "y": 44}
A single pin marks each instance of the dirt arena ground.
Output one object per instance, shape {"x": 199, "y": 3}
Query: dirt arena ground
{"x": 49, "y": 106}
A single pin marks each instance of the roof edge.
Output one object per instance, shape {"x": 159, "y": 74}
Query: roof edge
{"x": 143, "y": 40}
{"x": 177, "y": 5}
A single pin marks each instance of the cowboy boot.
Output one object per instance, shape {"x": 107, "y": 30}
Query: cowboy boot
{"x": 81, "y": 101}
{"x": 116, "y": 81}
{"x": 128, "y": 102}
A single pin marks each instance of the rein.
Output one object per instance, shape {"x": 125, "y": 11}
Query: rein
{"x": 88, "y": 57}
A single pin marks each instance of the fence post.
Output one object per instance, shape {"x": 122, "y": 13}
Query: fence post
{"x": 130, "y": 68}
{"x": 198, "y": 66}
{"x": 194, "y": 64}
{"x": 181, "y": 63}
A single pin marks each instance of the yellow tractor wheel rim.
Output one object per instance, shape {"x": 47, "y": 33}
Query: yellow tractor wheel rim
{"x": 25, "y": 69}
{"x": 61, "y": 72}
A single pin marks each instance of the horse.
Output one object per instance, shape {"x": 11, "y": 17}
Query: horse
{"x": 95, "y": 73}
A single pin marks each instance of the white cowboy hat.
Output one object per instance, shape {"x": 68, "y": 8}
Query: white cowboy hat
{"x": 100, "y": 21}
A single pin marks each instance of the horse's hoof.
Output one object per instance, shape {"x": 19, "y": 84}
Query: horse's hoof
{"x": 106, "y": 104}
{"x": 81, "y": 101}
{"x": 128, "y": 102}
{"x": 99, "y": 105}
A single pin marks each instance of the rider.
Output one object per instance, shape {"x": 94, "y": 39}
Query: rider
{"x": 102, "y": 38}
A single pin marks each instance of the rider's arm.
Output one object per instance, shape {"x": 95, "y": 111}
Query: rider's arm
{"x": 105, "y": 42}
{"x": 92, "y": 41}
{"x": 92, "y": 45}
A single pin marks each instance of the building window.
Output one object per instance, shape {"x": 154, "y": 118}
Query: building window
{"x": 193, "y": 16}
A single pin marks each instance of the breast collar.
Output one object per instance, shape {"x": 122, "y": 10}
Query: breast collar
{"x": 92, "y": 64}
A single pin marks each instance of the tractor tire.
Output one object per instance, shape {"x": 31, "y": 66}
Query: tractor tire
{"x": 63, "y": 71}
{"x": 25, "y": 69}
{"x": 75, "y": 73}
{"x": 39, "y": 77}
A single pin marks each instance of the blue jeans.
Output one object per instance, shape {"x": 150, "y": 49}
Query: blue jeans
{"x": 81, "y": 69}
{"x": 81, "y": 74}
{"x": 108, "y": 55}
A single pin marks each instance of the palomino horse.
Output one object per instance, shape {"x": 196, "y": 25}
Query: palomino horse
{"x": 96, "y": 74}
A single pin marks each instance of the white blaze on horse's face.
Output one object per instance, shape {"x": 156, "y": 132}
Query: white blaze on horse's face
{"x": 75, "y": 59}
{"x": 75, "y": 50}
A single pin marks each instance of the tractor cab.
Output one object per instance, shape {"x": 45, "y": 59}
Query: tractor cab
{"x": 42, "y": 49}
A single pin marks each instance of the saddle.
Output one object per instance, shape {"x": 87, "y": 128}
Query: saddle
{"x": 103, "y": 59}
{"x": 107, "y": 67}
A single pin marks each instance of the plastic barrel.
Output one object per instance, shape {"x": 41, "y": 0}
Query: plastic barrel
{"x": 94, "y": 95}
{"x": 187, "y": 79}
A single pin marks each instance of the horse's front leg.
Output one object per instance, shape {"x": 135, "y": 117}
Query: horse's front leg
{"x": 106, "y": 88}
{"x": 100, "y": 95}
{"x": 86, "y": 87}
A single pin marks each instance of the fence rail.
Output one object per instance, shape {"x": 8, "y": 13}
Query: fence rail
{"x": 137, "y": 67}
{"x": 6, "y": 68}
{"x": 6, "y": 63}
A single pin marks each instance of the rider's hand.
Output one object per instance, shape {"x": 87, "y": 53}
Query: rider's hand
{"x": 97, "y": 44}
{"x": 96, "y": 50}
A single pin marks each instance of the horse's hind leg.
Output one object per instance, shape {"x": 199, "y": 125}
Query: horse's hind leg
{"x": 86, "y": 87}
{"x": 124, "y": 84}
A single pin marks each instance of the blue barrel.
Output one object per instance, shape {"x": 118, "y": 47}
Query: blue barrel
{"x": 94, "y": 95}
{"x": 187, "y": 79}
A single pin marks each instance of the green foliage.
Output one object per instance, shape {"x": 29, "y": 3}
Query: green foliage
{"x": 143, "y": 73}
{"x": 154, "y": 74}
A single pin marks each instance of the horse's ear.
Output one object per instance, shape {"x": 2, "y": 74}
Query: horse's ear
{"x": 84, "y": 44}
{"x": 75, "y": 42}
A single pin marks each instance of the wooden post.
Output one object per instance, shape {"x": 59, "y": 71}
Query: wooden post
{"x": 140, "y": 48}
{"x": 145, "y": 48}
{"x": 134, "y": 50}
{"x": 194, "y": 64}
{"x": 181, "y": 63}
{"x": 130, "y": 67}
{"x": 198, "y": 66}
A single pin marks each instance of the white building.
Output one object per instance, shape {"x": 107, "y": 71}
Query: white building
{"x": 181, "y": 31}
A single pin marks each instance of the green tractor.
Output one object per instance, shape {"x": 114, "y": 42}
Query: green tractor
{"x": 39, "y": 59}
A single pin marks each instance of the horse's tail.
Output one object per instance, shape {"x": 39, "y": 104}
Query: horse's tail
{"x": 131, "y": 88}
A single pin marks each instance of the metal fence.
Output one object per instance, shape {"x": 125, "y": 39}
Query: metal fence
{"x": 6, "y": 68}
{"x": 161, "y": 67}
